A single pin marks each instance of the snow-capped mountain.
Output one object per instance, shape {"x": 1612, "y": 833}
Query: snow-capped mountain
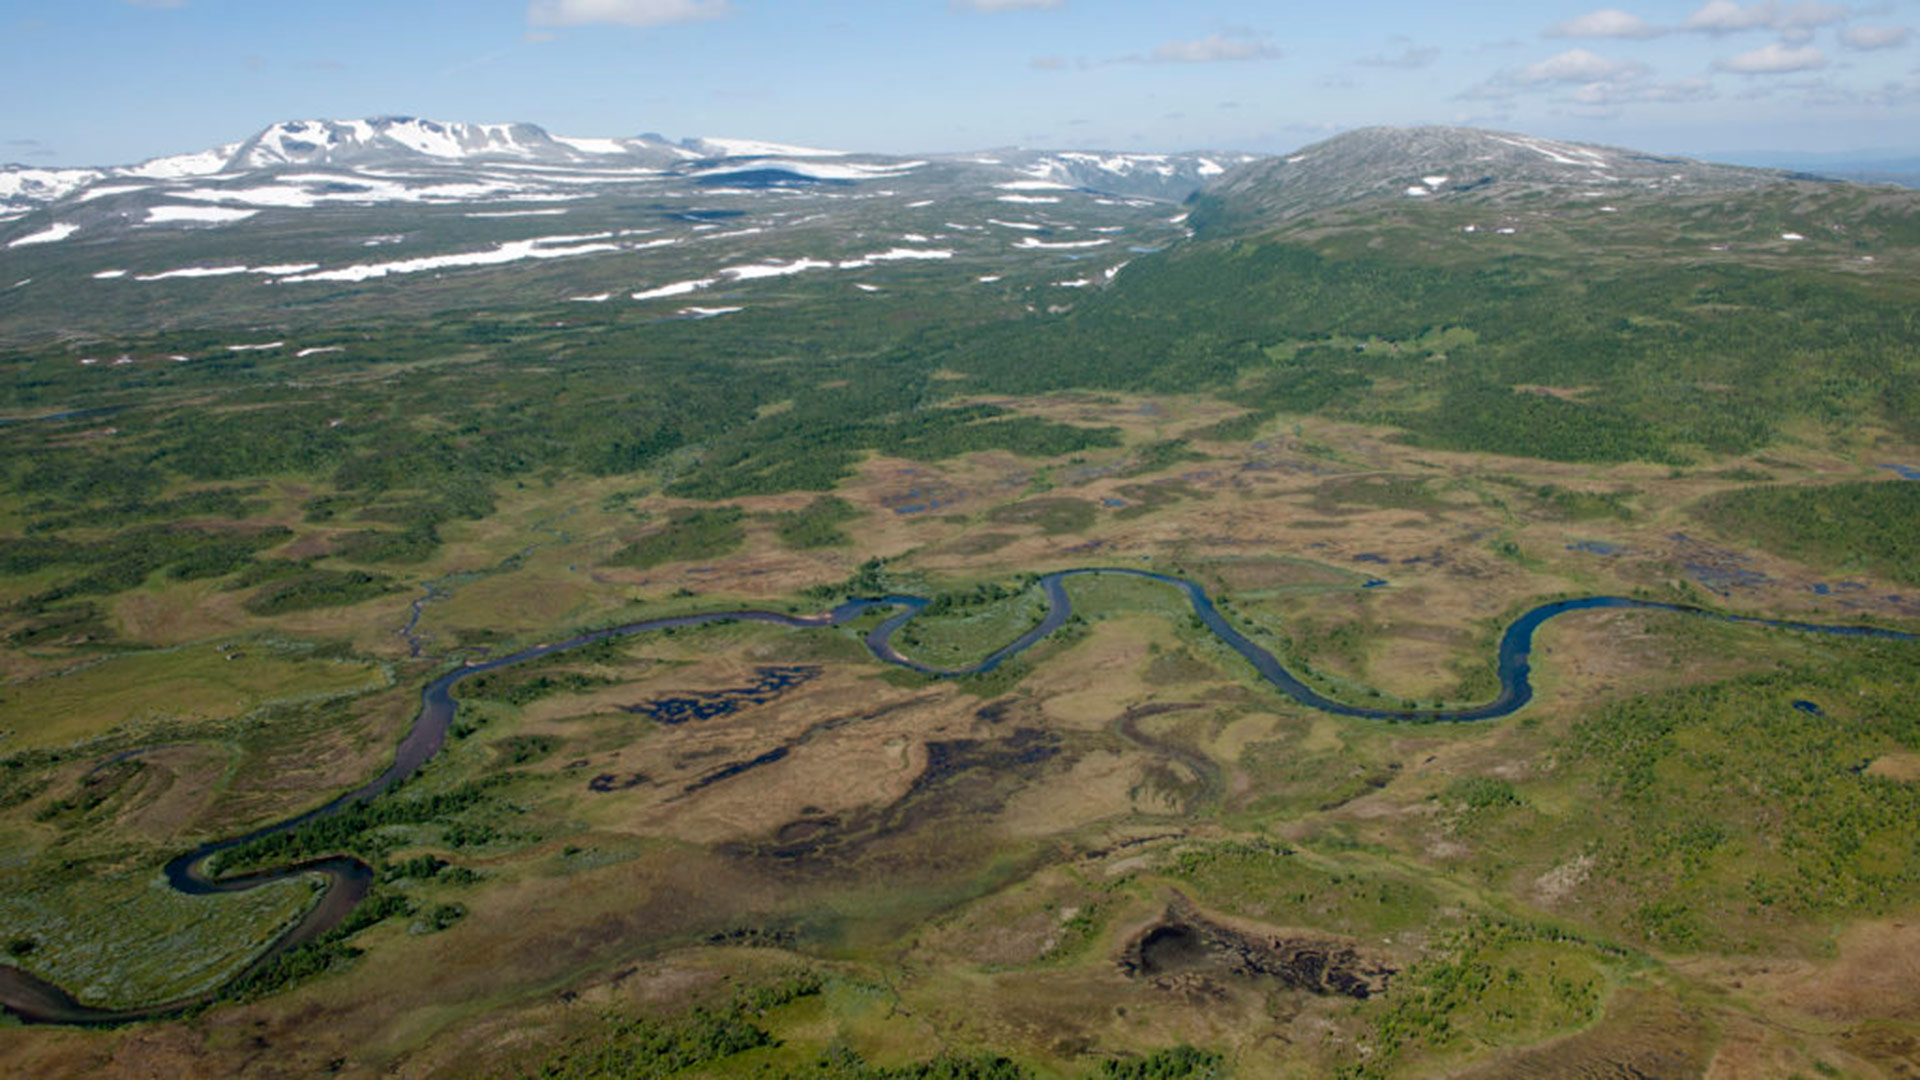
{"x": 322, "y": 214}
{"x": 444, "y": 151}
{"x": 391, "y": 140}
{"x": 319, "y": 219}
{"x": 23, "y": 187}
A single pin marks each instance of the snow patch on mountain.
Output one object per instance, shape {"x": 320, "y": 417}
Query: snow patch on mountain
{"x": 92, "y": 193}
{"x": 773, "y": 268}
{"x": 52, "y": 234}
{"x": 757, "y": 148}
{"x": 678, "y": 288}
{"x": 512, "y": 251}
{"x": 591, "y": 146}
{"x": 1557, "y": 152}
{"x": 190, "y": 272}
{"x": 182, "y": 166}
{"x": 311, "y": 191}
{"x": 1121, "y": 164}
{"x": 898, "y": 254}
{"x": 43, "y": 185}
{"x": 1031, "y": 244}
{"x": 213, "y": 215}
{"x": 551, "y": 211}
{"x": 817, "y": 170}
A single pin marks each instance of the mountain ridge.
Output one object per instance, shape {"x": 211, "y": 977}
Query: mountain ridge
{"x": 1421, "y": 162}
{"x": 1437, "y": 163}
{"x": 404, "y": 140}
{"x": 447, "y": 213}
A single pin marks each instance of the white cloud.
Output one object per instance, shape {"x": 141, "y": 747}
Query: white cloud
{"x": 1608, "y": 94}
{"x": 1410, "y": 59}
{"x": 1003, "y": 5}
{"x": 1574, "y": 67}
{"x": 1605, "y": 23}
{"x": 1774, "y": 59}
{"x": 1725, "y": 17}
{"x": 1810, "y": 16}
{"x": 1239, "y": 45}
{"x": 624, "y": 12}
{"x": 1797, "y": 21}
{"x": 1874, "y": 37}
{"x": 1577, "y": 66}
{"x": 1589, "y": 85}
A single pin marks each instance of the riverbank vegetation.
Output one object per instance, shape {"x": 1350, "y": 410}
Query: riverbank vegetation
{"x": 1846, "y": 527}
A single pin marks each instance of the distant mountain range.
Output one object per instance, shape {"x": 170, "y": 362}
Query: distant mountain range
{"x": 508, "y": 214}
{"x": 405, "y": 142}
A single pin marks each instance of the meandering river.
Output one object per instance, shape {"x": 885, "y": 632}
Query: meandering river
{"x": 348, "y": 879}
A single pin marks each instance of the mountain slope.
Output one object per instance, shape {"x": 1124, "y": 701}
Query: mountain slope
{"x": 1493, "y": 292}
{"x": 454, "y": 215}
{"x": 1452, "y": 164}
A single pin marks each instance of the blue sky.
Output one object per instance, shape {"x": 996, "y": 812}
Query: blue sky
{"x": 112, "y": 81}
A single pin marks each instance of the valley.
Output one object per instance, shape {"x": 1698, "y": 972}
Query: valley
{"x": 1187, "y": 667}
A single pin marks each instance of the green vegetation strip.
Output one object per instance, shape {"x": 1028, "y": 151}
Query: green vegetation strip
{"x": 1870, "y": 526}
